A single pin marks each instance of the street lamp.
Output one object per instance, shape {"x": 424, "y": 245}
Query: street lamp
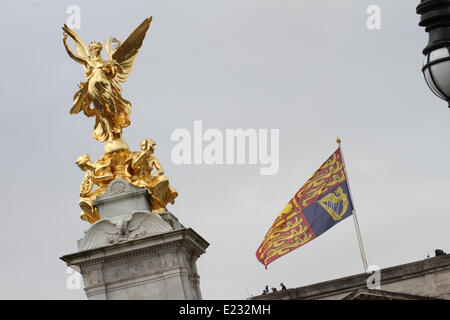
{"x": 435, "y": 17}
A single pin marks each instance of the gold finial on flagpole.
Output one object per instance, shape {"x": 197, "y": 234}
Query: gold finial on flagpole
{"x": 338, "y": 141}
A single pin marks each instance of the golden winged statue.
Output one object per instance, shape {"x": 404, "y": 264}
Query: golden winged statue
{"x": 102, "y": 87}
{"x": 100, "y": 96}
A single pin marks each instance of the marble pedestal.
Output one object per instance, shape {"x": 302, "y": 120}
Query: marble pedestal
{"x": 132, "y": 253}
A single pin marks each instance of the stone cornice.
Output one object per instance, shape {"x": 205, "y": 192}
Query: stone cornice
{"x": 355, "y": 282}
{"x": 142, "y": 246}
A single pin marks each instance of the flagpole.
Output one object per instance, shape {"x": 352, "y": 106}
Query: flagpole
{"x": 355, "y": 219}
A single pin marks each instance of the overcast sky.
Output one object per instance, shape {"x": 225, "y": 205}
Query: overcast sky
{"x": 311, "y": 69}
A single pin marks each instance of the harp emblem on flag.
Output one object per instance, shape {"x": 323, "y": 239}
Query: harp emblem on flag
{"x": 336, "y": 204}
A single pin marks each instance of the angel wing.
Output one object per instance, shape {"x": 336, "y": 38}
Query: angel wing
{"x": 98, "y": 235}
{"x": 125, "y": 54}
{"x": 108, "y": 48}
{"x": 82, "y": 49}
{"x": 146, "y": 223}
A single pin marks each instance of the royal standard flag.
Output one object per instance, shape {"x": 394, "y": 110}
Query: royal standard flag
{"x": 323, "y": 201}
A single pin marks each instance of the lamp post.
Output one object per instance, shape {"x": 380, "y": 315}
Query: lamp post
{"x": 435, "y": 17}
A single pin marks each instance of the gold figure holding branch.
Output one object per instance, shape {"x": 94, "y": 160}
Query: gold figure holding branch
{"x": 102, "y": 86}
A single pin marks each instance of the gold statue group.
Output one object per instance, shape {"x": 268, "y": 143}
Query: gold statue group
{"x": 101, "y": 90}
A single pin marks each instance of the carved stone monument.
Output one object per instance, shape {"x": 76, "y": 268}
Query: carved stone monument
{"x": 133, "y": 253}
{"x": 135, "y": 248}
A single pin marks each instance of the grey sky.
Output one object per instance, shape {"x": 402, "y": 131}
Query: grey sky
{"x": 309, "y": 68}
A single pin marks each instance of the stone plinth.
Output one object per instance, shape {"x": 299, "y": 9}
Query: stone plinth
{"x": 133, "y": 253}
{"x": 161, "y": 266}
{"x": 122, "y": 198}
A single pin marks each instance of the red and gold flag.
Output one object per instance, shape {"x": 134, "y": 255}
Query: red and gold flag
{"x": 323, "y": 201}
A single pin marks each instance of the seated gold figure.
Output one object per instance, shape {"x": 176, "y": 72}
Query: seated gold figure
{"x": 140, "y": 169}
{"x": 135, "y": 167}
{"x": 99, "y": 174}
